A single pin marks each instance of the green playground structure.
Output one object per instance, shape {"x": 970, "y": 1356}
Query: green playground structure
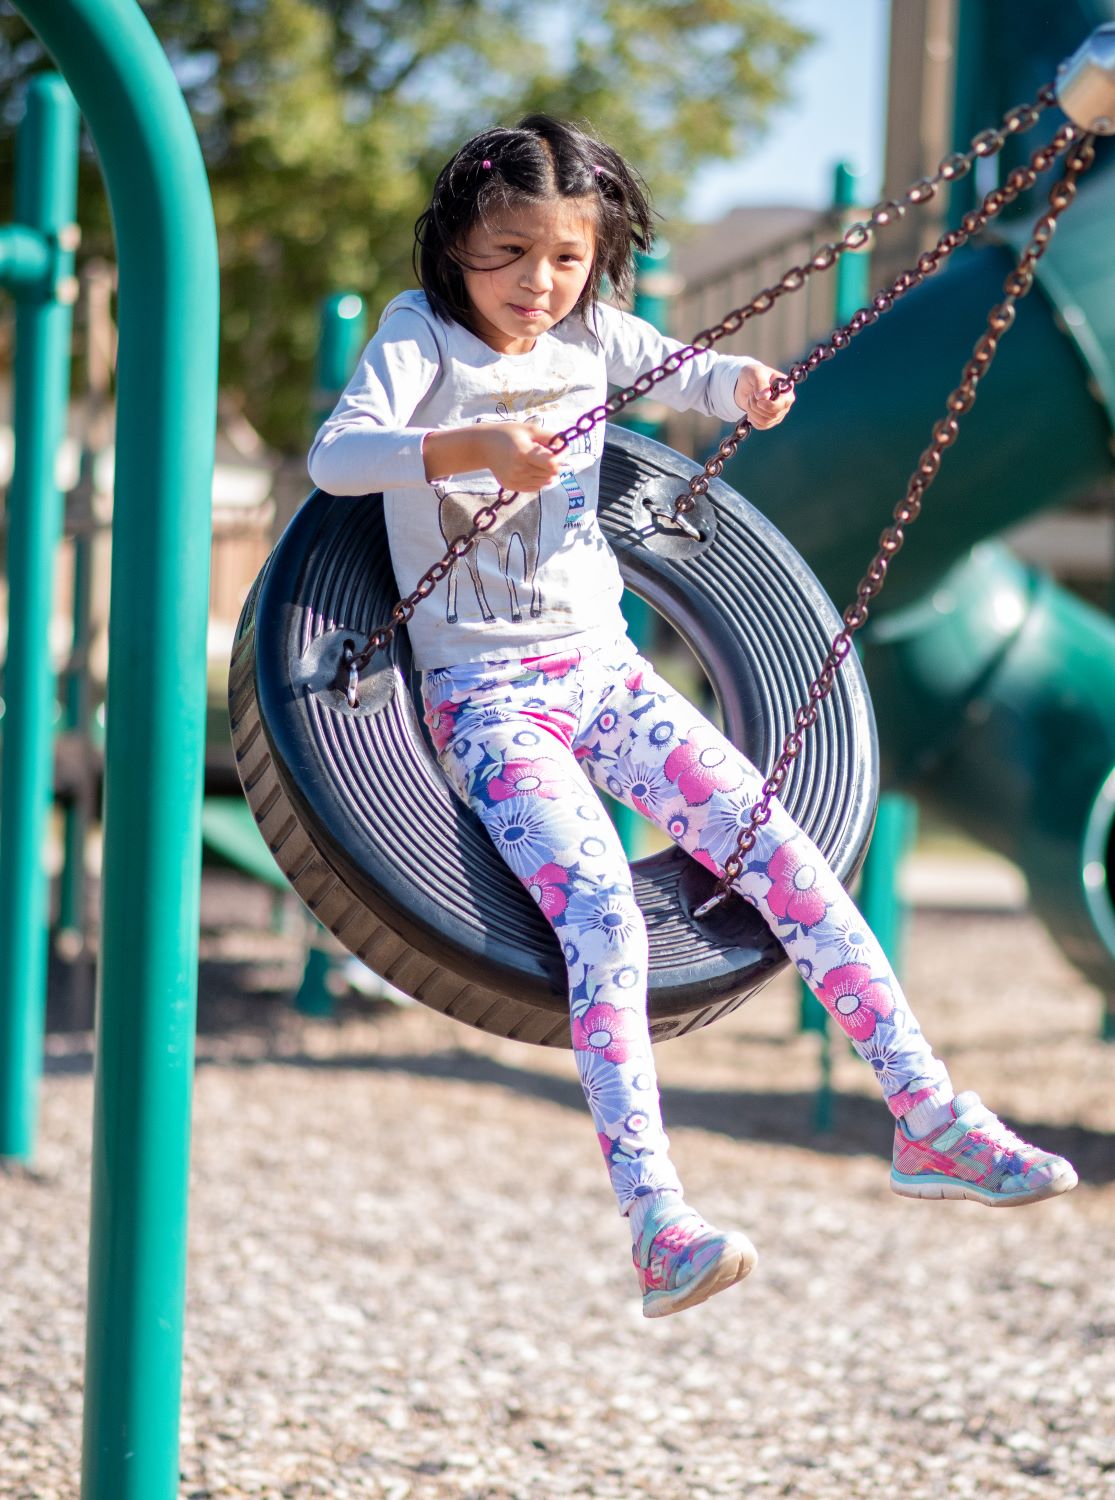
{"x": 994, "y": 688}
{"x": 36, "y": 267}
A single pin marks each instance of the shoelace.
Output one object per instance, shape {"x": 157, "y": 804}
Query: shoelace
{"x": 1002, "y": 1138}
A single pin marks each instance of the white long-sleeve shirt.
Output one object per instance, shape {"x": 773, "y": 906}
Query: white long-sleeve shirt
{"x": 544, "y": 579}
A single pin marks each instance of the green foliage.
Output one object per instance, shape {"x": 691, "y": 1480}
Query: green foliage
{"x": 323, "y": 123}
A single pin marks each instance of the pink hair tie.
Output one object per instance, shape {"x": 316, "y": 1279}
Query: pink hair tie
{"x": 599, "y": 171}
{"x": 486, "y": 165}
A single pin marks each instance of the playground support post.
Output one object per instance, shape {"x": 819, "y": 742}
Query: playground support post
{"x": 154, "y": 760}
{"x": 896, "y": 819}
{"x": 76, "y": 718}
{"x": 654, "y": 286}
{"x": 343, "y": 331}
{"x": 36, "y": 265}
{"x": 342, "y": 335}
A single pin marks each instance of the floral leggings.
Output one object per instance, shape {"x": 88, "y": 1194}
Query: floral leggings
{"x": 520, "y": 742}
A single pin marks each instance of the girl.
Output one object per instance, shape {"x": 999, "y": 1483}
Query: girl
{"x": 533, "y": 692}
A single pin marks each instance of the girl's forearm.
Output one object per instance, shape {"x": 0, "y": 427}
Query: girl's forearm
{"x": 453, "y": 450}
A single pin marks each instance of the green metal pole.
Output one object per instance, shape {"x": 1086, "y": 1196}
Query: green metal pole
{"x": 653, "y": 287}
{"x": 879, "y": 897}
{"x": 852, "y": 272}
{"x": 655, "y": 284}
{"x": 71, "y": 885}
{"x": 314, "y": 997}
{"x": 342, "y": 337}
{"x": 850, "y": 290}
{"x": 896, "y": 818}
{"x": 36, "y": 263}
{"x": 166, "y": 405}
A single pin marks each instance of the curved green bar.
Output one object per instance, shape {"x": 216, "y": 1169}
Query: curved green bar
{"x": 166, "y": 396}
{"x": 998, "y": 696}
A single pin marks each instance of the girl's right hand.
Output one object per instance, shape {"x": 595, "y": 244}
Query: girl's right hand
{"x": 514, "y": 454}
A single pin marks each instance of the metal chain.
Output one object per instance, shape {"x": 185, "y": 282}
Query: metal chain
{"x": 856, "y": 237}
{"x": 945, "y": 433}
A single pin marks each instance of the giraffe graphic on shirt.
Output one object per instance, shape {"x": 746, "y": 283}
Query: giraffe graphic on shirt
{"x": 521, "y": 523}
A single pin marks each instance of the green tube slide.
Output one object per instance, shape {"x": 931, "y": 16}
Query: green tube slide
{"x": 996, "y": 704}
{"x": 994, "y": 688}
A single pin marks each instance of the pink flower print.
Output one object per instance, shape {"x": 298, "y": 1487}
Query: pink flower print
{"x": 856, "y": 1000}
{"x": 795, "y": 895}
{"x": 547, "y": 888}
{"x": 633, "y": 682}
{"x": 554, "y": 721}
{"x": 442, "y": 720}
{"x": 612, "y": 1034}
{"x": 527, "y": 778}
{"x": 700, "y": 766}
{"x": 553, "y": 666}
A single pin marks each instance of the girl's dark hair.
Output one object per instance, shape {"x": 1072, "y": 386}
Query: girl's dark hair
{"x": 539, "y": 160}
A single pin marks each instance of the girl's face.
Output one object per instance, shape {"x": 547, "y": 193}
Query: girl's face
{"x": 529, "y": 268}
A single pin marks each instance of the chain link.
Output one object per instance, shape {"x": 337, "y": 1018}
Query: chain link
{"x": 945, "y": 432}
{"x": 856, "y": 237}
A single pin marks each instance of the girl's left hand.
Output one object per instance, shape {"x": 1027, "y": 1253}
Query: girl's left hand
{"x": 764, "y": 411}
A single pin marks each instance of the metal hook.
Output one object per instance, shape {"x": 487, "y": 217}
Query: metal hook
{"x": 674, "y": 518}
{"x": 710, "y": 905}
{"x": 351, "y": 686}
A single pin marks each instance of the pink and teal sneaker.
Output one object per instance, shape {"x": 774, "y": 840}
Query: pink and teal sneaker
{"x": 680, "y": 1260}
{"x": 975, "y": 1156}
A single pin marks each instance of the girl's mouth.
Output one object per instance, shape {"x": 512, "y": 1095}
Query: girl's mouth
{"x": 528, "y": 312}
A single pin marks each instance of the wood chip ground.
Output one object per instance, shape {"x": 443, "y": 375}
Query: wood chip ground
{"x": 407, "y": 1279}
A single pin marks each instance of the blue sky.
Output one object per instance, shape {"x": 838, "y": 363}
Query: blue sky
{"x": 837, "y": 113}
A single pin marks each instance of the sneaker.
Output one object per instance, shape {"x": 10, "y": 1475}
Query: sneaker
{"x": 975, "y": 1156}
{"x": 680, "y": 1260}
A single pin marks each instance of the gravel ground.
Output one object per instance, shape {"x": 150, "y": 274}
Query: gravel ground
{"x": 407, "y": 1279}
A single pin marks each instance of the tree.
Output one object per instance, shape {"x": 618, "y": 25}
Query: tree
{"x": 323, "y": 123}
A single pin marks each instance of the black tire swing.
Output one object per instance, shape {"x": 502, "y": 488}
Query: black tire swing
{"x": 344, "y": 785}
{"x": 359, "y": 818}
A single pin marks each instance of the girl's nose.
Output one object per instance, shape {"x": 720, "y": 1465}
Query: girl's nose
{"x": 536, "y": 276}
